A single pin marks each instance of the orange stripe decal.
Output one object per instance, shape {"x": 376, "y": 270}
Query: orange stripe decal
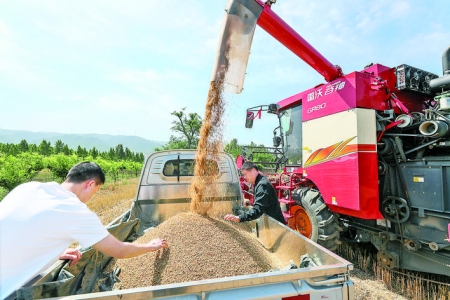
{"x": 342, "y": 145}
{"x": 324, "y": 153}
{"x": 311, "y": 157}
{"x": 337, "y": 150}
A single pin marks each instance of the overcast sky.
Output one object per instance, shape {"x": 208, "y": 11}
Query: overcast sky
{"x": 121, "y": 67}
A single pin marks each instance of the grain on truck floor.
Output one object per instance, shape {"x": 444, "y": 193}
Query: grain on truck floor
{"x": 199, "y": 248}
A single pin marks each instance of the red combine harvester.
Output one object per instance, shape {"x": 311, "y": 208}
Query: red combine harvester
{"x": 365, "y": 156}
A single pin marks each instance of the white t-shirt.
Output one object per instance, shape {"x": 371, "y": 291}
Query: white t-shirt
{"x": 38, "y": 221}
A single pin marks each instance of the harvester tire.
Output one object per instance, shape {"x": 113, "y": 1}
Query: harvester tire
{"x": 323, "y": 227}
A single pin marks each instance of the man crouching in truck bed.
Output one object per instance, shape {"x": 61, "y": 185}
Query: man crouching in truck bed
{"x": 38, "y": 221}
{"x": 266, "y": 200}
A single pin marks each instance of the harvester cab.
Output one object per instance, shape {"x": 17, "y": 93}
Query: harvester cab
{"x": 365, "y": 155}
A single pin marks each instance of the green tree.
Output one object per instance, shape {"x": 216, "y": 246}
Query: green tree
{"x": 15, "y": 170}
{"x": 94, "y": 153}
{"x": 60, "y": 164}
{"x": 187, "y": 126}
{"x": 32, "y": 148}
{"x": 233, "y": 148}
{"x": 10, "y": 149}
{"x": 112, "y": 154}
{"x": 58, "y": 148}
{"x": 45, "y": 148}
{"x": 111, "y": 168}
{"x": 120, "y": 153}
{"x": 135, "y": 167}
{"x": 23, "y": 146}
{"x": 81, "y": 152}
{"x": 139, "y": 157}
{"x": 66, "y": 150}
{"x": 128, "y": 154}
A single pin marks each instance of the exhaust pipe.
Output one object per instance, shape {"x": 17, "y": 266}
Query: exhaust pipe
{"x": 446, "y": 62}
{"x": 435, "y": 129}
{"x": 442, "y": 84}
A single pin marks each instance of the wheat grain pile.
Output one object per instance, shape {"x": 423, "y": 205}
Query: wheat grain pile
{"x": 200, "y": 248}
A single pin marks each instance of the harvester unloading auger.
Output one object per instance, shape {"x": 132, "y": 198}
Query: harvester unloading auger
{"x": 365, "y": 156}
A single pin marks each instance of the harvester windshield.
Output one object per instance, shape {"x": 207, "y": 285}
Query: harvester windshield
{"x": 291, "y": 128}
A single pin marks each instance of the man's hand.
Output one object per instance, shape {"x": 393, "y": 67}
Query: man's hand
{"x": 117, "y": 249}
{"x": 232, "y": 218}
{"x": 157, "y": 244}
{"x": 247, "y": 202}
{"x": 72, "y": 254}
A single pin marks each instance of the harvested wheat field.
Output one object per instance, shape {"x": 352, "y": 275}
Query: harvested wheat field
{"x": 199, "y": 248}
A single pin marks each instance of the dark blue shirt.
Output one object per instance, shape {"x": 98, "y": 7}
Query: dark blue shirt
{"x": 266, "y": 202}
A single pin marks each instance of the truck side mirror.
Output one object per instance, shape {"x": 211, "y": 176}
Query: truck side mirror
{"x": 249, "y": 119}
{"x": 276, "y": 141}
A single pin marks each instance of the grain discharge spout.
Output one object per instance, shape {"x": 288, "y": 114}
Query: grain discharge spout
{"x": 237, "y": 35}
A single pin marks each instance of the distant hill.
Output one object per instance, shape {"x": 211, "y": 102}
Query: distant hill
{"x": 101, "y": 142}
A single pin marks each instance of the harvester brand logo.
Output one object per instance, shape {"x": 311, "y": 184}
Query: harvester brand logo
{"x": 337, "y": 150}
{"x": 331, "y": 88}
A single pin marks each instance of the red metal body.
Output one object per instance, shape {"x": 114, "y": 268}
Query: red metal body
{"x": 346, "y": 171}
{"x": 348, "y": 181}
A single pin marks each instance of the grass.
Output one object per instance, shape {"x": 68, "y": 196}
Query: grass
{"x": 414, "y": 285}
{"x": 113, "y": 199}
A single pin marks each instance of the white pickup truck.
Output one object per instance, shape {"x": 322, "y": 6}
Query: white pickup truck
{"x": 162, "y": 193}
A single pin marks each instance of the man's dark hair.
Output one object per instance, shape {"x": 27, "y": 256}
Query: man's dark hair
{"x": 248, "y": 165}
{"x": 86, "y": 171}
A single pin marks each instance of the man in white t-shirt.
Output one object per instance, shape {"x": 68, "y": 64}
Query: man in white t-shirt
{"x": 38, "y": 221}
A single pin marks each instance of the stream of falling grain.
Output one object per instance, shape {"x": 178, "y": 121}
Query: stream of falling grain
{"x": 203, "y": 185}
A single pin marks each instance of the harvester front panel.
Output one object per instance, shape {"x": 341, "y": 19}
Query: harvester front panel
{"x": 340, "y": 158}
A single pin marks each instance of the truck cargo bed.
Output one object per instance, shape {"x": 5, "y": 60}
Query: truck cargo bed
{"x": 161, "y": 195}
{"x": 328, "y": 279}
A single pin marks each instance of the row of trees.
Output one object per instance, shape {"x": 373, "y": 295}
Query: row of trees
{"x": 45, "y": 148}
{"x": 22, "y": 162}
{"x": 23, "y": 167}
